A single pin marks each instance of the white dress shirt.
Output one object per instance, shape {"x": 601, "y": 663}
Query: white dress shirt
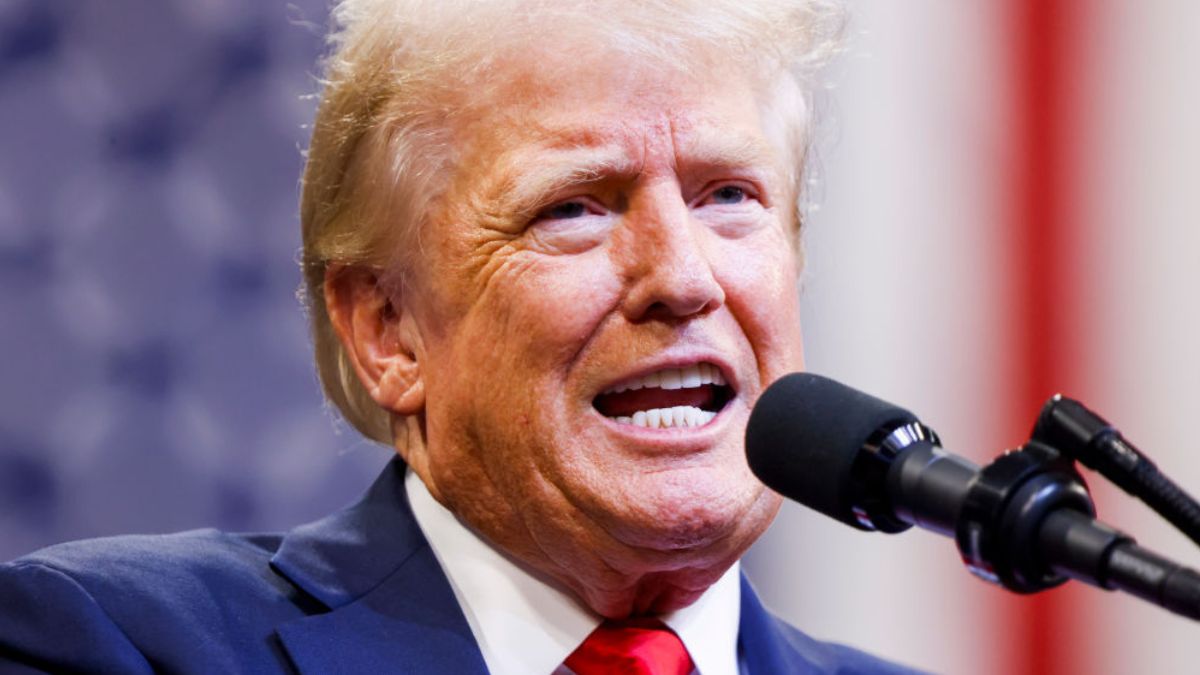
{"x": 525, "y": 625}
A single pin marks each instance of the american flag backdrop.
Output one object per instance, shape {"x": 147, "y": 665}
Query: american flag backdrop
{"x": 1009, "y": 211}
{"x": 156, "y": 369}
{"x": 1005, "y": 207}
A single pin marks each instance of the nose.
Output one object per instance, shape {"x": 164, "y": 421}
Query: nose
{"x": 668, "y": 267}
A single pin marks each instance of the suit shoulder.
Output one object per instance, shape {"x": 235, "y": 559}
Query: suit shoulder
{"x": 175, "y": 574}
{"x": 200, "y": 597}
{"x": 146, "y": 558}
{"x": 39, "y": 605}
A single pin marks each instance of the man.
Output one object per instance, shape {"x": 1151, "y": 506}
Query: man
{"x": 550, "y": 258}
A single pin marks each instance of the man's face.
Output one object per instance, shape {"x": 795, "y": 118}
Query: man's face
{"x": 604, "y": 290}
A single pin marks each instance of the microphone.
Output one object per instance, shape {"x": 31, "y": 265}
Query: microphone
{"x": 1025, "y": 521}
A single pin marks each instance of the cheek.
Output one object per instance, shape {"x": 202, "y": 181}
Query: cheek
{"x": 503, "y": 334}
{"x": 547, "y": 307}
{"x": 760, "y": 278}
{"x": 523, "y": 332}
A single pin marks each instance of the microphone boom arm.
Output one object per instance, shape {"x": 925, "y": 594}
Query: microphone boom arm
{"x": 1025, "y": 522}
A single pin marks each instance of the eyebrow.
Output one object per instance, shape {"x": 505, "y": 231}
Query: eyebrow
{"x": 526, "y": 186}
{"x": 578, "y": 160}
{"x": 716, "y": 148}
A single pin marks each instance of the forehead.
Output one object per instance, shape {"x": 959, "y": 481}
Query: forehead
{"x": 547, "y": 107}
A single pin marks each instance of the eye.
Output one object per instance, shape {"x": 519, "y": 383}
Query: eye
{"x": 729, "y": 194}
{"x": 563, "y": 211}
{"x": 732, "y": 208}
{"x": 573, "y": 225}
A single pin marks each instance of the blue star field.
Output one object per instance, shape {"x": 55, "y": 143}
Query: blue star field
{"x": 156, "y": 369}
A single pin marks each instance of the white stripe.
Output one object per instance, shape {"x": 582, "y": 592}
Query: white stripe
{"x": 913, "y": 217}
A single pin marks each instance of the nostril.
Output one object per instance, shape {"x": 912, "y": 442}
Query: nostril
{"x": 658, "y": 311}
{"x": 667, "y": 287}
{"x": 676, "y": 311}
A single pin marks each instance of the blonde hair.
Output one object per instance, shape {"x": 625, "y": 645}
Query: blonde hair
{"x": 398, "y": 70}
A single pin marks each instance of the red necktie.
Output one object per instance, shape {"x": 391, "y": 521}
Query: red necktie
{"x": 632, "y": 647}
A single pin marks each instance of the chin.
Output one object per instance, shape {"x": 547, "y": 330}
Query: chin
{"x": 702, "y": 512}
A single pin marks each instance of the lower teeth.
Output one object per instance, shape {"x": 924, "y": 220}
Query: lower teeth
{"x": 665, "y": 418}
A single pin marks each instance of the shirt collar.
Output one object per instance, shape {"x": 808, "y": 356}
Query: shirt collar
{"x": 524, "y": 624}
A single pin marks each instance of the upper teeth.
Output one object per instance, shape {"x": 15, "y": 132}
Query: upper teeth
{"x": 675, "y": 378}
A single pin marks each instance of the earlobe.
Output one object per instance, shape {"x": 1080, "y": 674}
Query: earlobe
{"x": 379, "y": 337}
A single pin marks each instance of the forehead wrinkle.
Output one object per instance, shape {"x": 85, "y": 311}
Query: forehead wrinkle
{"x": 597, "y": 134}
{"x": 721, "y": 147}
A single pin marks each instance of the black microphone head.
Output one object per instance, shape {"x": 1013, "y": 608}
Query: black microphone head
{"x": 804, "y": 435}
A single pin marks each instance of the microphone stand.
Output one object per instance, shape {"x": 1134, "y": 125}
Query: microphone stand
{"x": 1079, "y": 433}
{"x": 1027, "y": 520}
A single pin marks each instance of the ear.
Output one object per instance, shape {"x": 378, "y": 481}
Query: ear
{"x": 379, "y": 337}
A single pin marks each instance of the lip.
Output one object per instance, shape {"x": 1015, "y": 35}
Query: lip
{"x": 664, "y": 361}
{"x": 673, "y": 440}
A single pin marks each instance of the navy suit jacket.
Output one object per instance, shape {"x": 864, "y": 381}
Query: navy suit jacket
{"x": 357, "y": 592}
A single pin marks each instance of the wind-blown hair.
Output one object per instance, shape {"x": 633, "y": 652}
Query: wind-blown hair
{"x": 398, "y": 71}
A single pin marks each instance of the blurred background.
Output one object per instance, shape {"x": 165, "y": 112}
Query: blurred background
{"x": 1006, "y": 207}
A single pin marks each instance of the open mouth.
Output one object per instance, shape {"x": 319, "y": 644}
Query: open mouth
{"x": 690, "y": 396}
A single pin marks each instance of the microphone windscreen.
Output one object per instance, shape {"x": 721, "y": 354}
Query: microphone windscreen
{"x": 804, "y": 435}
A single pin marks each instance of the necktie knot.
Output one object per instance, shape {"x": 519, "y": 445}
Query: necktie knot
{"x": 633, "y": 646}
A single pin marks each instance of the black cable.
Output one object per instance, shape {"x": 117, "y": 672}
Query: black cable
{"x": 1167, "y": 499}
{"x": 1069, "y": 427}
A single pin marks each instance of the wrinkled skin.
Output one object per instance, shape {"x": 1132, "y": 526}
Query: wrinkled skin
{"x": 590, "y": 234}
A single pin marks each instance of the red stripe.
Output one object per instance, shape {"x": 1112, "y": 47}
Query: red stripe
{"x": 1044, "y": 266}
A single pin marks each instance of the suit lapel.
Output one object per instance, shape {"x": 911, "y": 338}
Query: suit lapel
{"x": 409, "y": 624}
{"x": 391, "y": 607}
{"x": 764, "y": 647}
